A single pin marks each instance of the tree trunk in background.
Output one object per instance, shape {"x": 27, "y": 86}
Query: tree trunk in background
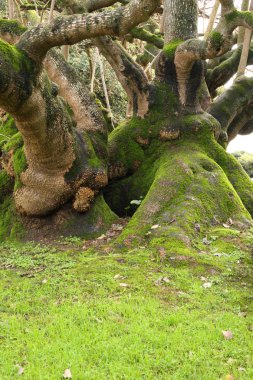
{"x": 180, "y": 19}
{"x": 212, "y": 18}
{"x": 244, "y": 7}
{"x": 245, "y": 49}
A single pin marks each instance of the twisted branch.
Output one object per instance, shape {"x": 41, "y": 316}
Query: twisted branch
{"x": 72, "y": 29}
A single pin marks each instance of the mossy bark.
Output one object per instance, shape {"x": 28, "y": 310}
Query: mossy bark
{"x": 183, "y": 180}
{"x": 48, "y": 159}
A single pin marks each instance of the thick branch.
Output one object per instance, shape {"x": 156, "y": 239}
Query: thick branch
{"x": 83, "y": 6}
{"x": 72, "y": 29}
{"x": 129, "y": 73}
{"x": 74, "y": 91}
{"x": 232, "y": 102}
{"x": 247, "y": 128}
{"x": 220, "y": 74}
{"x": 240, "y": 121}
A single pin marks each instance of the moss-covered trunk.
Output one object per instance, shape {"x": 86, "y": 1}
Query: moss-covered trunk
{"x": 181, "y": 181}
{"x": 49, "y": 160}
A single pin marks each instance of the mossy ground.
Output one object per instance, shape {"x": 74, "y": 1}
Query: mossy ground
{"x": 138, "y": 313}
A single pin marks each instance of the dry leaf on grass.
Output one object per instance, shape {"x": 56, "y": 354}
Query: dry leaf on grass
{"x": 155, "y": 226}
{"x": 67, "y": 374}
{"x": 227, "y": 334}
{"x": 207, "y": 285}
{"x": 20, "y": 370}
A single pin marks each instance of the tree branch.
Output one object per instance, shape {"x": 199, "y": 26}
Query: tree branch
{"x": 247, "y": 128}
{"x": 218, "y": 43}
{"x": 232, "y": 102}
{"x": 72, "y": 29}
{"x": 220, "y": 74}
{"x": 146, "y": 36}
{"x": 240, "y": 121}
{"x": 129, "y": 73}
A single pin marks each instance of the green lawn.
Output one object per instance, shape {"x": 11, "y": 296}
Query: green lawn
{"x": 107, "y": 313}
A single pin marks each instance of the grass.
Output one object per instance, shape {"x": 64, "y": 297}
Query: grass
{"x": 136, "y": 314}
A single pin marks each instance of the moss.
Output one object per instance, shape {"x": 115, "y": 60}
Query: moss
{"x": 11, "y": 142}
{"x": 170, "y": 48}
{"x": 246, "y": 15}
{"x": 6, "y": 185}
{"x": 124, "y": 142}
{"x": 10, "y": 226}
{"x": 216, "y": 39}
{"x": 90, "y": 224}
{"x": 239, "y": 179}
{"x": 182, "y": 184}
{"x": 19, "y": 165}
{"x": 12, "y": 27}
{"x": 231, "y": 16}
{"x": 7, "y": 130}
{"x": 145, "y": 35}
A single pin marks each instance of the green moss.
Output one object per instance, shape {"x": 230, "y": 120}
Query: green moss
{"x": 145, "y": 35}
{"x": 15, "y": 58}
{"x": 170, "y": 48}
{"x": 231, "y": 16}
{"x": 6, "y": 184}
{"x": 216, "y": 39}
{"x": 19, "y": 165}
{"x": 10, "y": 226}
{"x": 184, "y": 182}
{"x": 12, "y": 27}
{"x": 11, "y": 142}
{"x": 7, "y": 130}
{"x": 246, "y": 15}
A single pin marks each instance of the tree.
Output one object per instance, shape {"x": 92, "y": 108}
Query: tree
{"x": 169, "y": 154}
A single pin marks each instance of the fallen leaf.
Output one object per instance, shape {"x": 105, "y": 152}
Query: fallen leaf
{"x": 160, "y": 280}
{"x": 118, "y": 277}
{"x": 207, "y": 285}
{"x": 20, "y": 370}
{"x": 117, "y": 227}
{"x": 155, "y": 226}
{"x": 44, "y": 281}
{"x": 242, "y": 314}
{"x": 241, "y": 369}
{"x": 206, "y": 241}
{"x": 227, "y": 334}
{"x": 124, "y": 285}
{"x": 103, "y": 236}
{"x": 226, "y": 225}
{"x": 197, "y": 227}
{"x": 67, "y": 374}
{"x": 229, "y": 377}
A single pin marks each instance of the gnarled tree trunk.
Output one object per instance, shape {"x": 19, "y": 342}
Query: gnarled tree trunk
{"x": 169, "y": 157}
{"x": 182, "y": 177}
